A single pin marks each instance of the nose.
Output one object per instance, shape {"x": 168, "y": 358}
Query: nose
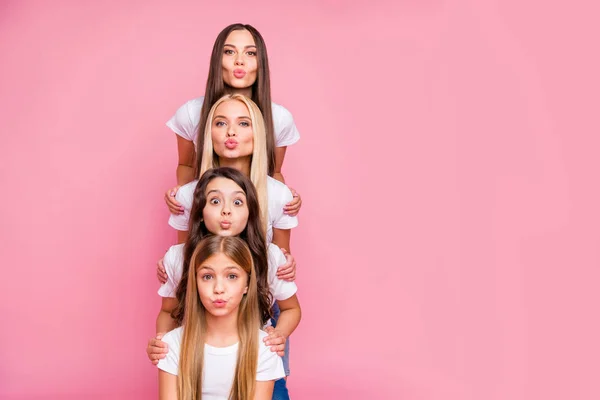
{"x": 219, "y": 288}
{"x": 230, "y": 131}
{"x": 239, "y": 59}
{"x": 226, "y": 210}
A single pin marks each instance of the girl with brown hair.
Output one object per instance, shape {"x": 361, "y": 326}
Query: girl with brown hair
{"x": 218, "y": 352}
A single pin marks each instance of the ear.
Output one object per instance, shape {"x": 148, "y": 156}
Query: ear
{"x": 246, "y": 290}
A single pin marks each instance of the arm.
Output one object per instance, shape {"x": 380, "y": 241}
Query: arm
{"x": 167, "y": 386}
{"x": 287, "y": 323}
{"x": 264, "y": 390}
{"x": 164, "y": 321}
{"x": 157, "y": 349}
{"x": 187, "y": 156}
{"x": 279, "y": 157}
{"x": 281, "y": 237}
{"x": 182, "y": 236}
{"x": 290, "y": 315}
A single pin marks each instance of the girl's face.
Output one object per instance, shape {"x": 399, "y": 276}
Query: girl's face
{"x": 221, "y": 285}
{"x": 231, "y": 130}
{"x": 239, "y": 60}
{"x": 226, "y": 211}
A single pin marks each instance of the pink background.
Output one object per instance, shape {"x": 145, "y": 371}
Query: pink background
{"x": 448, "y": 246}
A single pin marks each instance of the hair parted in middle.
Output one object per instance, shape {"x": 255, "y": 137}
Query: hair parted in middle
{"x": 191, "y": 362}
{"x": 253, "y": 234}
{"x": 258, "y": 166}
{"x": 261, "y": 91}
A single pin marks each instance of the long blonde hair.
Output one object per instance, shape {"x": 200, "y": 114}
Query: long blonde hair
{"x": 191, "y": 361}
{"x": 259, "y": 164}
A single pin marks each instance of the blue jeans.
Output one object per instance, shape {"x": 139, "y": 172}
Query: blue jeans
{"x": 286, "y": 358}
{"x": 280, "y": 391}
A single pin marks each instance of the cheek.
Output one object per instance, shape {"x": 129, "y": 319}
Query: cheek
{"x": 248, "y": 136}
{"x": 210, "y": 217}
{"x": 253, "y": 66}
{"x": 215, "y": 134}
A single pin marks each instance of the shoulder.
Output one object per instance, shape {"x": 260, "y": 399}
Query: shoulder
{"x": 275, "y": 185}
{"x": 173, "y": 337}
{"x": 280, "y": 111}
{"x": 270, "y": 365}
{"x": 194, "y": 104}
{"x": 275, "y": 254}
{"x": 174, "y": 256}
{"x": 277, "y": 190}
{"x": 262, "y": 346}
{"x": 175, "y": 251}
{"x": 173, "y": 340}
{"x": 185, "y": 193}
{"x": 170, "y": 363}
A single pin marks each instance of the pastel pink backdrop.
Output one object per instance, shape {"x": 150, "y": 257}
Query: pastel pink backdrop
{"x": 448, "y": 245}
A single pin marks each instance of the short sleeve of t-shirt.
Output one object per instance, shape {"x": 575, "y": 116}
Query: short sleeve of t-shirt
{"x": 170, "y": 363}
{"x": 173, "y": 263}
{"x": 286, "y": 132}
{"x": 186, "y": 119}
{"x": 270, "y": 365}
{"x": 185, "y": 197}
{"x": 278, "y": 196}
{"x": 280, "y": 289}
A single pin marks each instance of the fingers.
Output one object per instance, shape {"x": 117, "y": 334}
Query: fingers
{"x": 293, "y": 207}
{"x": 161, "y": 276}
{"x": 269, "y": 329}
{"x": 288, "y": 270}
{"x": 174, "y": 206}
{"x": 290, "y": 277}
{"x": 161, "y": 273}
{"x": 276, "y": 341}
{"x": 157, "y": 349}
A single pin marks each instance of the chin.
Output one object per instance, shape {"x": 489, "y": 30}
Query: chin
{"x": 219, "y": 312}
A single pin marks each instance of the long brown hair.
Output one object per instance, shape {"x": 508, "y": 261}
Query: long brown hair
{"x": 261, "y": 91}
{"x": 191, "y": 359}
{"x": 253, "y": 234}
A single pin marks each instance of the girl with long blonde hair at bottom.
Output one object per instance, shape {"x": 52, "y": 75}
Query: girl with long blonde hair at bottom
{"x": 218, "y": 352}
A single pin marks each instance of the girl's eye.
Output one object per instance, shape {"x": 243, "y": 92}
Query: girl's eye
{"x": 238, "y": 202}
{"x": 244, "y": 124}
{"x": 214, "y": 201}
{"x": 220, "y": 123}
{"x": 251, "y": 53}
{"x": 206, "y": 277}
{"x": 228, "y": 52}
{"x": 232, "y": 276}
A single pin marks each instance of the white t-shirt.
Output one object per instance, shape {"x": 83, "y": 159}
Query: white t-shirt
{"x": 187, "y": 117}
{"x": 219, "y": 365}
{"x": 278, "y": 195}
{"x": 173, "y": 263}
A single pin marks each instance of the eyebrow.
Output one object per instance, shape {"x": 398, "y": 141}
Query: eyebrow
{"x": 246, "y": 47}
{"x": 222, "y": 116}
{"x": 218, "y": 191}
{"x": 234, "y": 267}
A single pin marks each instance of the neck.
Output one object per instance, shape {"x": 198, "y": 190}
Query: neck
{"x": 243, "y": 91}
{"x": 222, "y": 331}
{"x": 242, "y": 164}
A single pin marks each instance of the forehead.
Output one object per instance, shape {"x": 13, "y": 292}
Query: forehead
{"x": 240, "y": 38}
{"x": 219, "y": 262}
{"x": 232, "y": 108}
{"x": 224, "y": 185}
